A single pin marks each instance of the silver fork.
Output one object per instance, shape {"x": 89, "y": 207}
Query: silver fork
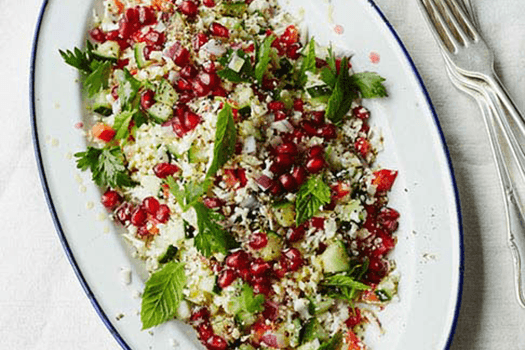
{"x": 463, "y": 45}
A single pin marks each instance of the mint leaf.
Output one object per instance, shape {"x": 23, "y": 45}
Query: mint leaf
{"x": 247, "y": 305}
{"x": 106, "y": 165}
{"x": 244, "y": 74}
{"x": 263, "y": 58}
{"x": 121, "y": 124}
{"x": 333, "y": 343}
{"x": 212, "y": 238}
{"x": 370, "y": 84}
{"x": 328, "y": 76}
{"x": 342, "y": 96}
{"x": 189, "y": 194}
{"x": 311, "y": 196}
{"x": 308, "y": 63}
{"x": 342, "y": 280}
{"x": 225, "y": 139}
{"x": 162, "y": 295}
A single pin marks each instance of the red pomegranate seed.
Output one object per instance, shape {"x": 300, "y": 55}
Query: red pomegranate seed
{"x": 361, "y": 113}
{"x": 250, "y": 48}
{"x": 269, "y": 84}
{"x": 271, "y": 310}
{"x": 244, "y": 273}
{"x": 287, "y": 148}
{"x": 205, "y": 331}
{"x": 288, "y": 182}
{"x": 388, "y": 219}
{"x": 201, "y": 315}
{"x": 216, "y": 343}
{"x": 110, "y": 199}
{"x": 179, "y": 54}
{"x": 294, "y": 51}
{"x": 318, "y": 223}
{"x": 276, "y": 188}
{"x": 219, "y": 30}
{"x": 315, "y": 165}
{"x": 212, "y": 203}
{"x": 238, "y": 260}
{"x": 293, "y": 259}
{"x": 138, "y": 217}
{"x": 281, "y": 50}
{"x": 211, "y": 80}
{"x": 290, "y": 35}
{"x": 183, "y": 85}
{"x": 98, "y": 35}
{"x": 188, "y": 72}
{"x": 384, "y": 179}
{"x": 318, "y": 118}
{"x": 279, "y": 115}
{"x": 309, "y": 128}
{"x": 208, "y": 3}
{"x": 191, "y": 120}
{"x": 226, "y": 278}
{"x": 260, "y": 267}
{"x": 151, "y": 205}
{"x": 362, "y": 145}
{"x": 189, "y": 8}
{"x": 163, "y": 170}
{"x": 355, "y": 317}
{"x": 112, "y": 35}
{"x": 199, "y": 40}
{"x": 163, "y": 214}
{"x": 124, "y": 213}
{"x": 200, "y": 88}
{"x": 262, "y": 288}
{"x": 295, "y": 234}
{"x": 258, "y": 240}
{"x": 328, "y": 132}
{"x": 276, "y": 106}
{"x": 146, "y": 16}
{"x": 143, "y": 231}
{"x": 315, "y": 151}
{"x": 320, "y": 63}
{"x": 298, "y": 105}
{"x": 126, "y": 29}
{"x": 299, "y": 174}
{"x": 282, "y": 163}
{"x": 219, "y": 92}
{"x": 147, "y": 99}
{"x": 154, "y": 38}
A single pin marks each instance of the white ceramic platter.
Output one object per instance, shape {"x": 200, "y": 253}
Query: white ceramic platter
{"x": 429, "y": 250}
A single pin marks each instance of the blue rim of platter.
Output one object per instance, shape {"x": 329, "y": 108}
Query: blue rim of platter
{"x": 65, "y": 244}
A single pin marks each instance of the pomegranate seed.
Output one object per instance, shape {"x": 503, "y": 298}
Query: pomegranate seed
{"x": 226, "y": 278}
{"x": 276, "y": 106}
{"x": 125, "y": 29}
{"x": 315, "y": 151}
{"x": 276, "y": 188}
{"x": 219, "y": 30}
{"x": 318, "y": 223}
{"x": 282, "y": 163}
{"x": 238, "y": 260}
{"x": 147, "y": 51}
{"x": 205, "y": 331}
{"x": 298, "y": 135}
{"x": 219, "y": 92}
{"x": 309, "y": 128}
{"x": 269, "y": 84}
{"x": 279, "y": 115}
{"x": 189, "y": 8}
{"x": 114, "y": 92}
{"x": 124, "y": 213}
{"x": 179, "y": 54}
{"x": 250, "y": 48}
{"x": 199, "y": 40}
{"x": 200, "y": 88}
{"x": 384, "y": 179}
{"x": 388, "y": 219}
{"x": 258, "y": 240}
{"x": 98, "y": 35}
{"x": 179, "y": 129}
{"x": 147, "y": 99}
{"x": 183, "y": 85}
{"x": 154, "y": 38}
{"x": 288, "y": 182}
{"x": 315, "y": 165}
{"x": 211, "y": 80}
{"x": 132, "y": 15}
{"x": 295, "y": 234}
{"x": 163, "y": 170}
{"x": 188, "y": 72}
{"x": 138, "y": 217}
{"x": 143, "y": 231}
{"x": 110, "y": 199}
{"x": 271, "y": 310}
{"x": 293, "y": 51}
{"x": 151, "y": 205}
{"x": 202, "y": 315}
{"x": 208, "y": 3}
{"x": 279, "y": 47}
{"x": 328, "y": 132}
{"x": 290, "y": 35}
{"x": 362, "y": 145}
{"x": 163, "y": 214}
{"x": 299, "y": 174}
{"x": 245, "y": 274}
{"x": 216, "y": 343}
{"x": 298, "y": 105}
{"x": 260, "y": 267}
{"x": 112, "y": 35}
{"x": 320, "y": 63}
{"x": 318, "y": 118}
{"x": 292, "y": 259}
{"x": 209, "y": 67}
{"x": 365, "y": 128}
{"x": 262, "y": 288}
{"x": 191, "y": 120}
{"x": 361, "y": 113}
{"x": 287, "y": 148}
{"x": 146, "y": 16}
{"x": 354, "y": 319}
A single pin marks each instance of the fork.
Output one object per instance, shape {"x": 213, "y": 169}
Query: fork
{"x": 463, "y": 45}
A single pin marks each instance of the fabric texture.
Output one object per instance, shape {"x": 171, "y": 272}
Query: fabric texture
{"x": 42, "y": 305}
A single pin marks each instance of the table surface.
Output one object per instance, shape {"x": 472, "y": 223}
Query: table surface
{"x": 42, "y": 305}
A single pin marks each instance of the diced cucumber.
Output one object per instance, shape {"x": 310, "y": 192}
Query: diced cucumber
{"x": 246, "y": 347}
{"x": 272, "y": 251}
{"x": 236, "y": 63}
{"x": 108, "y": 50}
{"x": 312, "y": 345}
{"x": 160, "y": 112}
{"x": 387, "y": 288}
{"x": 139, "y": 55}
{"x": 101, "y": 105}
{"x": 197, "y": 155}
{"x": 335, "y": 258}
{"x": 166, "y": 93}
{"x": 319, "y": 307}
{"x": 284, "y": 214}
{"x": 313, "y": 330}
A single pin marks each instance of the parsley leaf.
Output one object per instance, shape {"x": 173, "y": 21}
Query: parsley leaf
{"x": 263, "y": 58}
{"x": 225, "y": 138}
{"x": 162, "y": 295}
{"x": 333, "y": 343}
{"x": 79, "y": 59}
{"x": 190, "y": 194}
{"x": 98, "y": 79}
{"x": 212, "y": 238}
{"x": 106, "y": 165}
{"x": 248, "y": 304}
{"x": 342, "y": 96}
{"x": 308, "y": 63}
{"x": 121, "y": 124}
{"x": 128, "y": 88}
{"x": 369, "y": 84}
{"x": 311, "y": 196}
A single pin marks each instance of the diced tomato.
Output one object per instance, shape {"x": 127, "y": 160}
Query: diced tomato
{"x": 355, "y": 317}
{"x": 340, "y": 190}
{"x": 318, "y": 223}
{"x": 362, "y": 145}
{"x": 234, "y": 177}
{"x": 353, "y": 341}
{"x": 103, "y": 132}
{"x": 384, "y": 179}
{"x": 290, "y": 35}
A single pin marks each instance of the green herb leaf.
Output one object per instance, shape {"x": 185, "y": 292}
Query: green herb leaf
{"x": 263, "y": 58}
{"x": 79, "y": 59}
{"x": 308, "y": 63}
{"x": 128, "y": 88}
{"x": 328, "y": 76}
{"x": 342, "y": 280}
{"x": 99, "y": 78}
{"x": 225, "y": 139}
{"x": 121, "y": 124}
{"x": 244, "y": 74}
{"x": 106, "y": 165}
{"x": 311, "y": 196}
{"x": 235, "y": 9}
{"x": 333, "y": 343}
{"x": 370, "y": 84}
{"x": 312, "y": 330}
{"x": 341, "y": 100}
{"x": 212, "y": 238}
{"x": 162, "y": 295}
{"x": 168, "y": 255}
{"x": 190, "y": 194}
{"x": 248, "y": 302}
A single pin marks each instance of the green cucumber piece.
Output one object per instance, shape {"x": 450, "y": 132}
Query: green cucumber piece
{"x": 313, "y": 330}
{"x": 166, "y": 93}
{"x": 101, "y": 105}
{"x": 335, "y": 258}
{"x": 139, "y": 55}
{"x": 272, "y": 251}
{"x": 160, "y": 112}
{"x": 197, "y": 155}
{"x": 284, "y": 214}
{"x": 110, "y": 50}
{"x": 246, "y": 347}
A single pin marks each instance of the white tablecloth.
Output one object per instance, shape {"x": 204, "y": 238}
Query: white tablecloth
{"x": 42, "y": 306}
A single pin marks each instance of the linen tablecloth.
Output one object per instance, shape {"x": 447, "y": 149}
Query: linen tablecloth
{"x": 42, "y": 305}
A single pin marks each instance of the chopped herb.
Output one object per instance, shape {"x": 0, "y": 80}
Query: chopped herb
{"x": 79, "y": 59}
{"x": 370, "y": 84}
{"x": 333, "y": 343}
{"x": 235, "y": 9}
{"x": 247, "y": 305}
{"x": 106, "y": 165}
{"x": 121, "y": 124}
{"x": 263, "y": 58}
{"x": 190, "y": 194}
{"x": 344, "y": 93}
{"x": 99, "y": 78}
{"x": 342, "y": 286}
{"x": 128, "y": 89}
{"x": 245, "y": 72}
{"x": 308, "y": 64}
{"x": 311, "y": 196}
{"x": 225, "y": 139}
{"x": 168, "y": 255}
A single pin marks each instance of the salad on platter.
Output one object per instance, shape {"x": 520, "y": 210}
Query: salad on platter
{"x": 236, "y": 153}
